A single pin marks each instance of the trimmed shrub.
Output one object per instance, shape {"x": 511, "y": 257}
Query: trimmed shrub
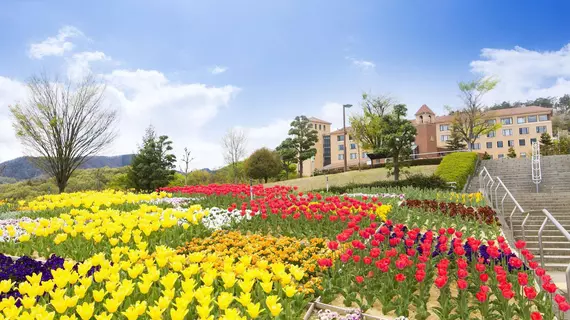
{"x": 419, "y": 181}
{"x": 364, "y": 166}
{"x": 457, "y": 167}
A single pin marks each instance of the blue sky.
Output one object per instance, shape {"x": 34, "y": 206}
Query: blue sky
{"x": 279, "y": 59}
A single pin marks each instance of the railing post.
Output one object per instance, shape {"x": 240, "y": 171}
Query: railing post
{"x": 327, "y": 178}
{"x": 540, "y": 250}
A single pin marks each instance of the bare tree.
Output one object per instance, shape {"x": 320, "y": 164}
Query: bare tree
{"x": 234, "y": 143}
{"x": 186, "y": 161}
{"x": 62, "y": 125}
{"x": 472, "y": 121}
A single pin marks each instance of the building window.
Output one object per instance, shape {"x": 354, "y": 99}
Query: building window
{"x": 444, "y": 137}
{"x": 491, "y": 122}
{"x": 523, "y": 130}
{"x": 364, "y": 155}
{"x": 443, "y": 127}
{"x": 341, "y": 156}
{"x": 491, "y": 134}
{"x": 349, "y": 138}
{"x": 501, "y": 156}
{"x": 521, "y": 120}
{"x": 511, "y": 143}
{"x": 543, "y": 117}
{"x": 531, "y": 118}
{"x": 326, "y": 150}
{"x": 354, "y": 156}
{"x": 340, "y": 147}
{"x": 541, "y": 129}
{"x": 324, "y": 127}
{"x": 523, "y": 154}
{"x": 522, "y": 142}
{"x": 507, "y": 121}
{"x": 489, "y": 145}
{"x": 320, "y": 127}
{"x": 499, "y": 144}
{"x": 507, "y": 132}
{"x": 352, "y": 146}
{"x": 476, "y": 146}
{"x": 340, "y": 138}
{"x": 532, "y": 140}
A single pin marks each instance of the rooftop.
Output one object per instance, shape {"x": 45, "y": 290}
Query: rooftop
{"x": 424, "y": 109}
{"x": 504, "y": 113}
{"x": 313, "y": 119}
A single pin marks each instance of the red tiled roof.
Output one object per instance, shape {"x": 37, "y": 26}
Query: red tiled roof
{"x": 341, "y": 130}
{"x": 318, "y": 120}
{"x": 424, "y": 109}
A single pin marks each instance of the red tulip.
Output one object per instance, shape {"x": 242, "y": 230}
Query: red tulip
{"x": 367, "y": 260}
{"x": 420, "y": 275}
{"x": 333, "y": 245}
{"x": 462, "y": 284}
{"x": 400, "y": 277}
{"x": 559, "y": 298}
{"x": 520, "y": 244}
{"x": 530, "y": 292}
{"x": 484, "y": 277}
{"x": 440, "y": 281}
{"x": 359, "y": 279}
{"x": 564, "y": 306}
{"x": 481, "y": 296}
{"x": 536, "y": 316}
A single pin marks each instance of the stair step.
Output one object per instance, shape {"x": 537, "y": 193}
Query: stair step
{"x": 533, "y": 245}
{"x": 518, "y": 233}
{"x": 549, "y": 251}
{"x": 555, "y": 266}
{"x": 534, "y": 238}
{"x": 555, "y": 259}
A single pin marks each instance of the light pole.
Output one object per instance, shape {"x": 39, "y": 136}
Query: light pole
{"x": 345, "y": 137}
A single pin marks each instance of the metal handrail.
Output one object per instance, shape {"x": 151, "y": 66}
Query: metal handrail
{"x": 535, "y": 165}
{"x": 564, "y": 233}
{"x": 508, "y": 193}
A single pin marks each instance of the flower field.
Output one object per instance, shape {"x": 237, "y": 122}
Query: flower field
{"x": 235, "y": 252}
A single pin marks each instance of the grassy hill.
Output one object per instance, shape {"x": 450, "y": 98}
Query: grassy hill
{"x": 344, "y": 178}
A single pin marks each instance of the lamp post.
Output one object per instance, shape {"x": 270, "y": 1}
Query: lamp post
{"x": 345, "y": 137}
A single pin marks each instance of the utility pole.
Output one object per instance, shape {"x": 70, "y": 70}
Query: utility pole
{"x": 345, "y": 136}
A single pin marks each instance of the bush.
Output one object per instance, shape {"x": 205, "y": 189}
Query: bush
{"x": 419, "y": 181}
{"x": 457, "y": 167}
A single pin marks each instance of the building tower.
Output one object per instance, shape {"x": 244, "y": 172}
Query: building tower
{"x": 425, "y": 125}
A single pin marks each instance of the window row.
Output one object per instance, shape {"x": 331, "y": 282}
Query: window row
{"x": 319, "y": 126}
{"x": 509, "y": 132}
{"x": 353, "y": 156}
{"x": 510, "y": 143}
{"x": 341, "y": 138}
{"x": 352, "y": 146}
{"x": 502, "y": 156}
{"x": 524, "y": 119}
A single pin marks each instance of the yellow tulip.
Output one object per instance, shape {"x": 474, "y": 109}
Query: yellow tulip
{"x": 244, "y": 299}
{"x": 224, "y": 300}
{"x": 99, "y": 295}
{"x": 111, "y": 305}
{"x": 59, "y": 304}
{"x": 267, "y": 286}
{"x": 203, "y": 311}
{"x": 104, "y": 316}
{"x": 273, "y": 305}
{"x": 178, "y": 314}
{"x": 154, "y": 312}
{"x": 131, "y": 313}
{"x": 85, "y": 311}
{"x": 289, "y": 291}
{"x": 28, "y": 302}
{"x": 253, "y": 310}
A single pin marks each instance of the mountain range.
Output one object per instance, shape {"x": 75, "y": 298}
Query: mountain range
{"x": 22, "y": 168}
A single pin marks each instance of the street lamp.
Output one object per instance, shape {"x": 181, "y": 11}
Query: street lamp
{"x": 345, "y": 137}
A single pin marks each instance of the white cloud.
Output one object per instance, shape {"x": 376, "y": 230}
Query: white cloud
{"x": 525, "y": 74}
{"x": 55, "y": 46}
{"x": 11, "y": 92}
{"x": 79, "y": 64}
{"x": 362, "y": 64}
{"x": 219, "y": 69}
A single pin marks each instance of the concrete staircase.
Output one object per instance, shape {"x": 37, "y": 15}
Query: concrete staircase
{"x": 554, "y": 195}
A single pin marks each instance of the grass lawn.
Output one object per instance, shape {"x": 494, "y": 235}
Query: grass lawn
{"x": 339, "y": 179}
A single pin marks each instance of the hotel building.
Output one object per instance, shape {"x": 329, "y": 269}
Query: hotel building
{"x": 520, "y": 127}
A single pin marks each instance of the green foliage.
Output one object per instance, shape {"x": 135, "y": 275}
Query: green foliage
{"x": 404, "y": 163}
{"x": 486, "y": 156}
{"x": 263, "y": 164}
{"x": 398, "y": 134}
{"x": 511, "y": 153}
{"x": 416, "y": 181}
{"x": 288, "y": 155}
{"x": 546, "y": 145}
{"x": 81, "y": 180}
{"x": 153, "y": 165}
{"x": 367, "y": 128}
{"x": 456, "y": 167}
{"x": 303, "y": 139}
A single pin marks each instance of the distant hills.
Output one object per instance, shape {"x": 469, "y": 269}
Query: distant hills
{"x": 22, "y": 168}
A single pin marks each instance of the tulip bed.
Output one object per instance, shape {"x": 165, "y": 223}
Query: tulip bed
{"x": 241, "y": 252}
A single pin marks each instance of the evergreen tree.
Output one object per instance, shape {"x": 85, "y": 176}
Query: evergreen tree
{"x": 512, "y": 154}
{"x": 303, "y": 138}
{"x": 288, "y": 155}
{"x": 455, "y": 142}
{"x": 546, "y": 144}
{"x": 263, "y": 164}
{"x": 399, "y": 134}
{"x": 153, "y": 166}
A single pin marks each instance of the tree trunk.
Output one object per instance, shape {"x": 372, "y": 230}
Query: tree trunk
{"x": 61, "y": 184}
{"x": 300, "y": 168}
{"x": 396, "y": 168}
{"x": 265, "y": 178}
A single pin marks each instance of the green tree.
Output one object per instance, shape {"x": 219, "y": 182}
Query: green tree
{"x": 234, "y": 145}
{"x": 263, "y": 164}
{"x": 367, "y": 128}
{"x": 288, "y": 155}
{"x": 486, "y": 156}
{"x": 471, "y": 121}
{"x": 455, "y": 142}
{"x": 546, "y": 144}
{"x": 153, "y": 166}
{"x": 512, "y": 154}
{"x": 63, "y": 125}
{"x": 303, "y": 137}
{"x": 399, "y": 134}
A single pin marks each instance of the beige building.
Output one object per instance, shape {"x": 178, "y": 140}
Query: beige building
{"x": 520, "y": 127}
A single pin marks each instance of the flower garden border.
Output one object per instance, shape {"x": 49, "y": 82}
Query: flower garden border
{"x": 317, "y": 305}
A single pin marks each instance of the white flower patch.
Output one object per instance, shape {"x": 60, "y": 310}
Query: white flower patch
{"x": 377, "y": 195}
{"x": 175, "y": 202}
{"x": 219, "y": 218}
{"x": 10, "y": 228}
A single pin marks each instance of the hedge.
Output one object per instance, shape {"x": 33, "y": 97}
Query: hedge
{"x": 419, "y": 181}
{"x": 457, "y": 167}
{"x": 364, "y": 166}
